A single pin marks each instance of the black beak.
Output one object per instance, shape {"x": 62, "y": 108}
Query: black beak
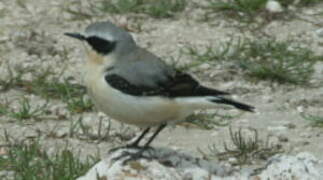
{"x": 76, "y": 36}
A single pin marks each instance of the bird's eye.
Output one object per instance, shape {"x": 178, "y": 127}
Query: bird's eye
{"x": 100, "y": 45}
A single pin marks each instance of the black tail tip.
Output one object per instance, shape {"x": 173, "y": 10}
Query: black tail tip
{"x": 244, "y": 107}
{"x": 247, "y": 108}
{"x": 238, "y": 105}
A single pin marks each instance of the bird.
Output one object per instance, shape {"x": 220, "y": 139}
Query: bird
{"x": 134, "y": 86}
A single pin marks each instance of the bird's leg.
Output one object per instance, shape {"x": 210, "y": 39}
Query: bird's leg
{"x": 160, "y": 128}
{"x": 139, "y": 154}
{"x": 135, "y": 143}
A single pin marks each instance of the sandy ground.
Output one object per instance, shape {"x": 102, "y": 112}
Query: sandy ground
{"x": 31, "y": 36}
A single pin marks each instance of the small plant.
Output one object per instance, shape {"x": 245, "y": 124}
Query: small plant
{"x": 264, "y": 59}
{"x": 245, "y": 150}
{"x": 154, "y": 8}
{"x": 79, "y": 104}
{"x": 315, "y": 120}
{"x": 28, "y": 160}
{"x": 236, "y": 8}
{"x": 50, "y": 88}
{"x": 284, "y": 62}
{"x": 25, "y": 111}
{"x": 72, "y": 94}
{"x": 80, "y": 130}
{"x": 227, "y": 51}
{"x": 77, "y": 12}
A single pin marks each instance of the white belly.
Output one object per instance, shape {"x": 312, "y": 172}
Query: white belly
{"x": 140, "y": 111}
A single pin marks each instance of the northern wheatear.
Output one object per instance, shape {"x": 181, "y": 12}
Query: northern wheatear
{"x": 134, "y": 86}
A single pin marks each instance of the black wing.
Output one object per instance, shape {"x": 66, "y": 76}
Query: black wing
{"x": 178, "y": 85}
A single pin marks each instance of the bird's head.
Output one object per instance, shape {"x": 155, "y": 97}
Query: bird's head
{"x": 106, "y": 39}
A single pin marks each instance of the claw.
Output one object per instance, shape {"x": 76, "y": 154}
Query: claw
{"x": 129, "y": 146}
{"x": 133, "y": 156}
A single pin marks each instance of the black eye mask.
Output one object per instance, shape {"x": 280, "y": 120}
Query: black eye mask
{"x": 100, "y": 45}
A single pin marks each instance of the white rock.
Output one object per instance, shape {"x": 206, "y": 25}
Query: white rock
{"x": 163, "y": 164}
{"x": 169, "y": 164}
{"x": 274, "y": 6}
{"x": 302, "y": 166}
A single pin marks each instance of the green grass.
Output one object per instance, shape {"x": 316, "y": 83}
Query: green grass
{"x": 277, "y": 61}
{"x": 248, "y": 10}
{"x": 73, "y": 95}
{"x": 79, "y": 130}
{"x": 262, "y": 59}
{"x": 79, "y": 104}
{"x": 308, "y": 2}
{"x": 49, "y": 88}
{"x": 25, "y": 111}
{"x": 245, "y": 149}
{"x": 154, "y": 8}
{"x": 29, "y": 161}
{"x": 248, "y": 7}
{"x": 315, "y": 120}
{"x": 236, "y": 8}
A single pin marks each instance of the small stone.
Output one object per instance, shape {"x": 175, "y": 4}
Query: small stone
{"x": 290, "y": 126}
{"x": 310, "y": 12}
{"x": 274, "y": 6}
{"x": 267, "y": 99}
{"x": 283, "y": 138}
{"x": 300, "y": 109}
{"x": 215, "y": 133}
{"x": 62, "y": 132}
{"x": 232, "y": 160}
{"x": 306, "y": 135}
{"x": 319, "y": 32}
{"x": 205, "y": 66}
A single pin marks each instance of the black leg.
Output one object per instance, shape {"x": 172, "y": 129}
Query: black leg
{"x": 139, "y": 154}
{"x": 135, "y": 144}
{"x": 160, "y": 128}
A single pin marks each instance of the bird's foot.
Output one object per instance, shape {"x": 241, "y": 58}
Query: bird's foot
{"x": 128, "y": 146}
{"x": 139, "y": 153}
